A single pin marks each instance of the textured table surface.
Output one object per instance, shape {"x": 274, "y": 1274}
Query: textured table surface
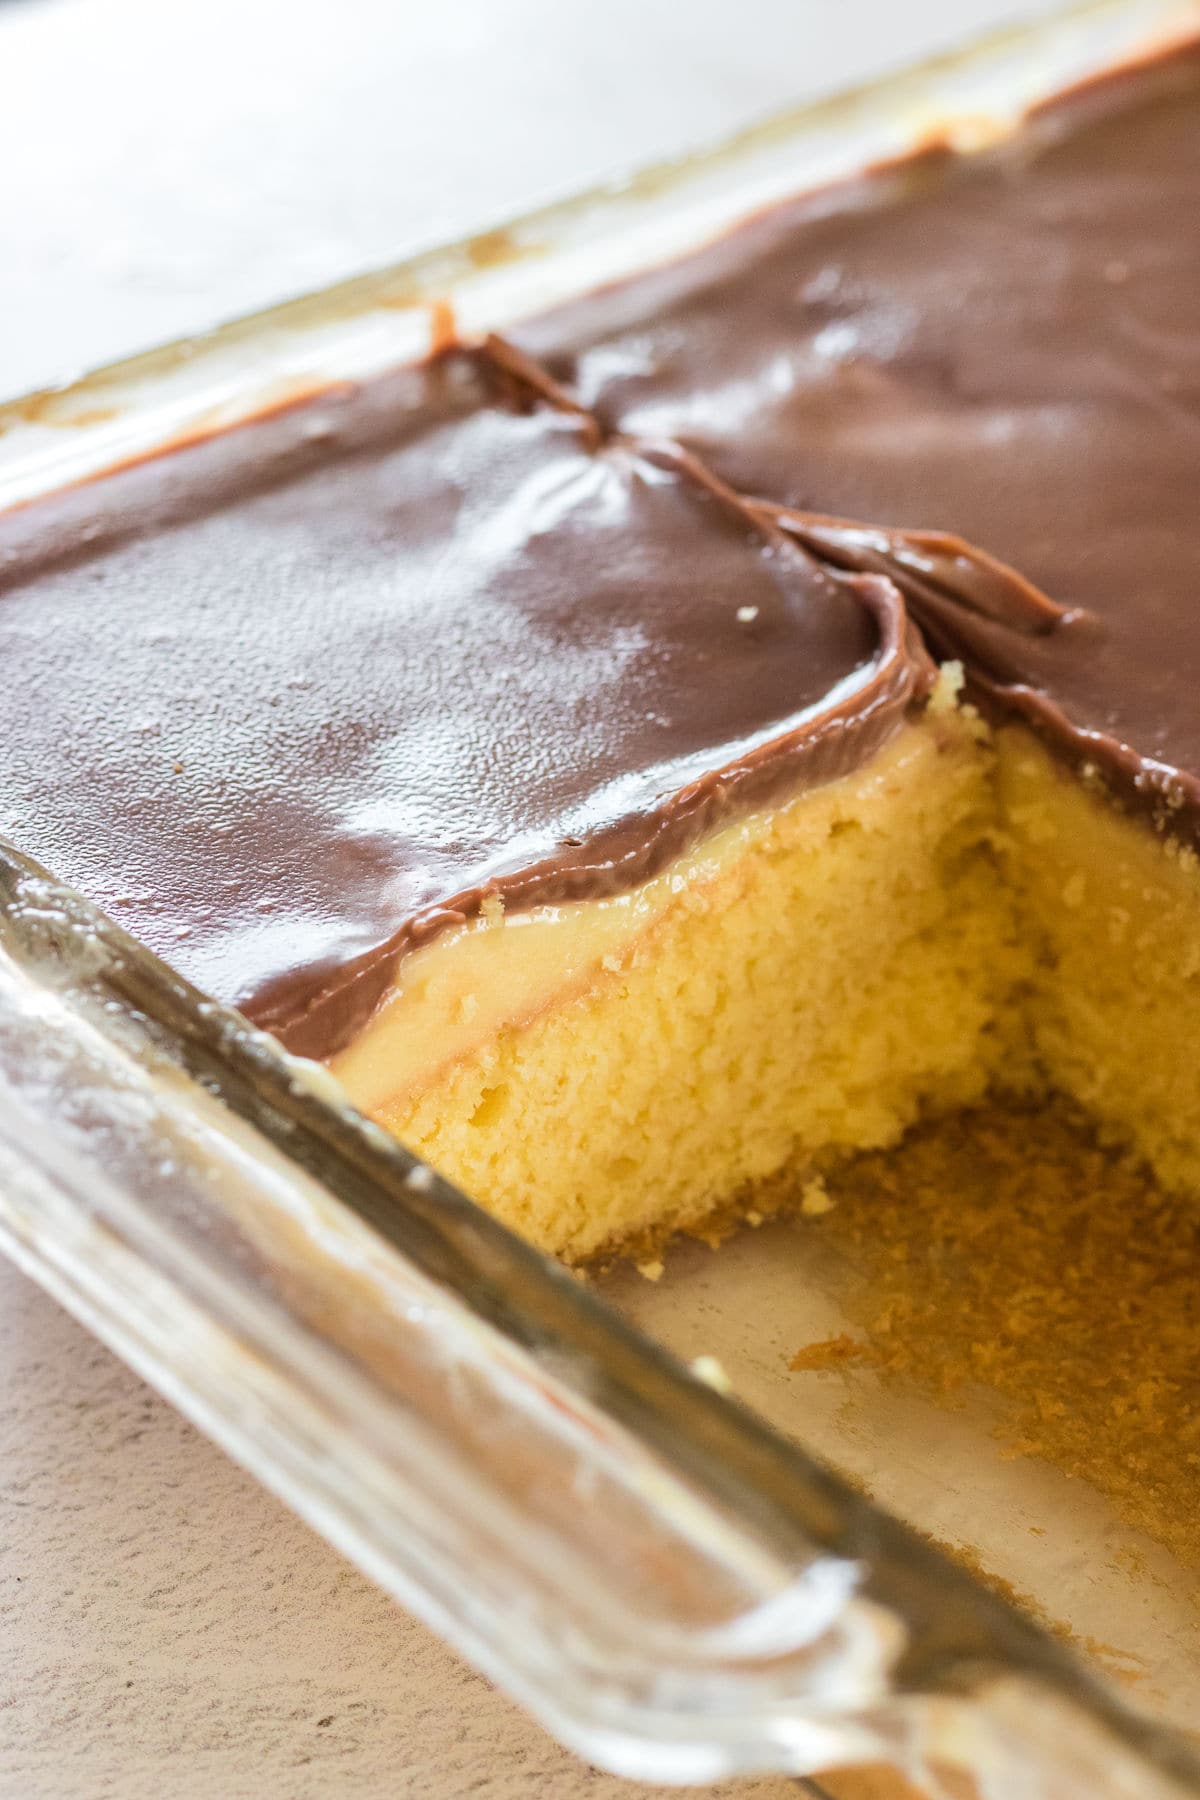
{"x": 166, "y": 1628}
{"x": 169, "y": 1632}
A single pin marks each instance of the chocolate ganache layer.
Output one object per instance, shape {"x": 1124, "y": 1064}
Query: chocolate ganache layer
{"x": 1004, "y": 346}
{"x": 289, "y": 701}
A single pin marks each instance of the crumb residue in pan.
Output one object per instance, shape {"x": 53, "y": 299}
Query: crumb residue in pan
{"x": 1015, "y": 1253}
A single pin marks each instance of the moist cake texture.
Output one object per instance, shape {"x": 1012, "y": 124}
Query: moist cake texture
{"x": 551, "y": 739}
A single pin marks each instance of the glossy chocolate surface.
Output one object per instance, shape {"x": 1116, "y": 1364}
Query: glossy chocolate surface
{"x": 286, "y": 702}
{"x": 290, "y": 701}
{"x": 1006, "y": 347}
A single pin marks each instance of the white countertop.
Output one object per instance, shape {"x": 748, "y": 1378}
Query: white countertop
{"x": 167, "y": 166}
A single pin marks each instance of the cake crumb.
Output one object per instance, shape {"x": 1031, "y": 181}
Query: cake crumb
{"x": 711, "y": 1372}
{"x": 1074, "y": 890}
{"x": 1012, "y": 1250}
{"x": 815, "y": 1199}
{"x": 651, "y": 1271}
{"x": 946, "y": 689}
{"x": 830, "y": 1353}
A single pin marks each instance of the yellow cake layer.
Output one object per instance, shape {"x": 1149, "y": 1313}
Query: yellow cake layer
{"x": 1112, "y": 910}
{"x": 963, "y": 915}
{"x": 806, "y": 983}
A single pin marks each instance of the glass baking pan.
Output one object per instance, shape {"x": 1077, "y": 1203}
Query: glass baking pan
{"x": 679, "y": 1587}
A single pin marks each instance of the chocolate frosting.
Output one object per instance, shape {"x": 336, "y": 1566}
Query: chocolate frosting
{"x": 1005, "y": 347}
{"x": 291, "y": 700}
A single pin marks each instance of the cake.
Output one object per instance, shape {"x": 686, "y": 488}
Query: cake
{"x": 750, "y": 714}
{"x": 1007, "y": 346}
